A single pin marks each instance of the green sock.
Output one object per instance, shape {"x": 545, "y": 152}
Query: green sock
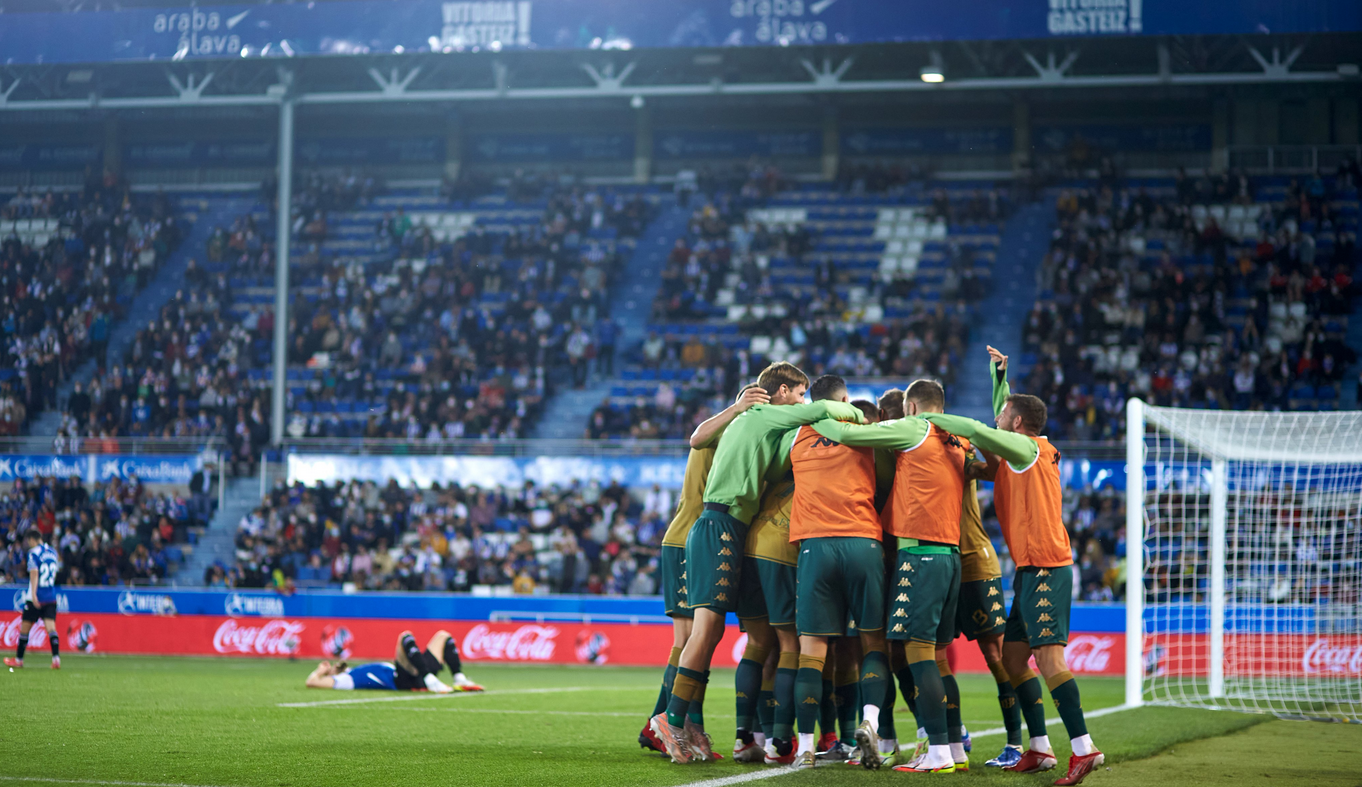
{"x": 931, "y": 701}
{"x": 1069, "y": 705}
{"x": 766, "y": 710}
{"x": 808, "y": 694}
{"x": 785, "y": 698}
{"x": 875, "y": 680}
{"x": 906, "y": 688}
{"x": 666, "y": 692}
{"x": 696, "y": 712}
{"x": 887, "y": 728}
{"x": 827, "y": 710}
{"x": 847, "y": 710}
{"x": 684, "y": 687}
{"x": 1007, "y": 701}
{"x": 747, "y": 688}
{"x": 953, "y": 721}
{"x": 1032, "y": 706}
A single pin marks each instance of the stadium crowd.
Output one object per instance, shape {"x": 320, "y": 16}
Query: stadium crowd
{"x": 113, "y": 532}
{"x": 69, "y": 282}
{"x": 1148, "y": 295}
{"x": 584, "y": 538}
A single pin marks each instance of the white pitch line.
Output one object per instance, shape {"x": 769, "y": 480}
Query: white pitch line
{"x": 771, "y": 774}
{"x": 428, "y": 696}
{"x": 44, "y": 780}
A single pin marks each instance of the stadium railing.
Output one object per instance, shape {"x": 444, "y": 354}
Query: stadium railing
{"x": 1291, "y": 159}
{"x": 36, "y": 445}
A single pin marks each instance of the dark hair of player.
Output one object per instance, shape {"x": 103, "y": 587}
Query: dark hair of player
{"x": 868, "y": 409}
{"x": 34, "y": 534}
{"x": 927, "y": 394}
{"x": 891, "y": 404}
{"x": 829, "y": 386}
{"x": 781, "y": 373}
{"x": 1032, "y": 410}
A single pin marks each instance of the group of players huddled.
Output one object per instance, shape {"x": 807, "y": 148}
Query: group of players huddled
{"x": 846, "y": 537}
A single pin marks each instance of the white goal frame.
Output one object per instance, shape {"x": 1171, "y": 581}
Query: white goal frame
{"x": 1327, "y": 445}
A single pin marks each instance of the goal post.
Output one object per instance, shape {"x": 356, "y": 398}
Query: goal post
{"x": 1244, "y": 560}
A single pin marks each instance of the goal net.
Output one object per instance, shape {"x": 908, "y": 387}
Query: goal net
{"x": 1246, "y": 593}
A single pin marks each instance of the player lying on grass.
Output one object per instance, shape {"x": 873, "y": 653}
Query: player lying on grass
{"x": 41, "y": 603}
{"x": 1028, "y": 498}
{"x": 412, "y": 669}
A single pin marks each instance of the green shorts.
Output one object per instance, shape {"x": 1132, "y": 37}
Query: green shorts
{"x": 1041, "y": 598}
{"x": 924, "y": 594}
{"x": 673, "y": 567}
{"x": 767, "y": 590}
{"x": 981, "y": 612}
{"x": 714, "y": 554}
{"x": 841, "y": 586}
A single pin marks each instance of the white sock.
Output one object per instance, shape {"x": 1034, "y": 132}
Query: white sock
{"x": 887, "y": 745}
{"x": 1040, "y": 743}
{"x": 433, "y": 683}
{"x": 1082, "y": 745}
{"x": 805, "y": 742}
{"x": 958, "y": 752}
{"x": 759, "y": 738}
{"x": 937, "y": 756}
{"x": 871, "y": 713}
{"x": 964, "y": 733}
{"x": 921, "y": 733}
{"x": 459, "y": 677}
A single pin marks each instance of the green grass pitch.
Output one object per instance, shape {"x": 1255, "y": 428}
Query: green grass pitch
{"x": 251, "y": 723}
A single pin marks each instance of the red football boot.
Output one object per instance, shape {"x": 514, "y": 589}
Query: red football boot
{"x": 1033, "y": 761}
{"x": 1080, "y": 767}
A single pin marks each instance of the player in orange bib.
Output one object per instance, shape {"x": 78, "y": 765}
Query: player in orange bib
{"x": 840, "y": 572}
{"x": 1024, "y": 468}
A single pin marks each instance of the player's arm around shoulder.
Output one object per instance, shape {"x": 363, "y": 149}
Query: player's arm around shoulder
{"x": 707, "y": 434}
{"x": 784, "y": 417}
{"x": 1018, "y": 449}
{"x": 898, "y": 434}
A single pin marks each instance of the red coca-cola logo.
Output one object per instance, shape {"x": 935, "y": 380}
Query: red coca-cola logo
{"x": 527, "y": 643}
{"x": 1088, "y": 653}
{"x": 1324, "y": 655}
{"x": 275, "y": 638}
{"x": 37, "y": 636}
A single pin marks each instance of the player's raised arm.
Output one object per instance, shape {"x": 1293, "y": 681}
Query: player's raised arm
{"x": 997, "y": 371}
{"x": 899, "y": 433}
{"x": 1018, "y": 449}
{"x": 709, "y": 430}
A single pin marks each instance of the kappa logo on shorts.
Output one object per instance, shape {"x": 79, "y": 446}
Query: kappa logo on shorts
{"x": 1044, "y": 572}
{"x": 904, "y": 583}
{"x": 1043, "y": 588}
{"x": 725, "y": 551}
{"x": 998, "y": 621}
{"x": 905, "y": 567}
{"x": 1045, "y": 618}
{"x": 1045, "y": 602}
{"x": 899, "y": 613}
{"x": 810, "y": 701}
{"x": 725, "y": 537}
{"x": 1046, "y": 632}
{"x": 898, "y": 627}
{"x": 722, "y": 597}
{"x": 902, "y": 597}
{"x": 723, "y": 582}
{"x": 996, "y": 607}
{"x": 992, "y": 591}
{"x": 725, "y": 567}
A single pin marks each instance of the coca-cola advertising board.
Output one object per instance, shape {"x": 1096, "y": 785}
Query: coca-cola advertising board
{"x": 1257, "y": 655}
{"x": 367, "y": 638}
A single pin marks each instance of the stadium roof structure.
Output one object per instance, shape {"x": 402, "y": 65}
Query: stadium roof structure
{"x": 643, "y": 74}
